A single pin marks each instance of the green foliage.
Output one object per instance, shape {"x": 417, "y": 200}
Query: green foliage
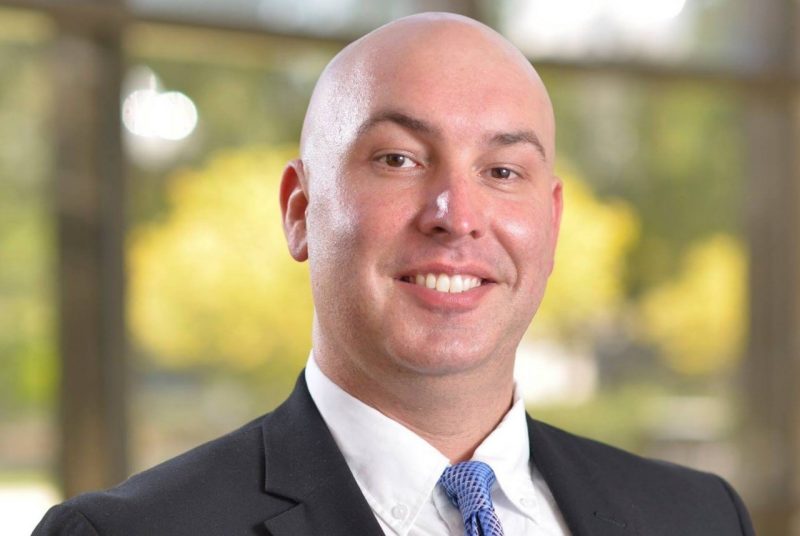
{"x": 697, "y": 319}
{"x": 618, "y": 417}
{"x": 213, "y": 284}
{"x": 27, "y": 295}
{"x": 670, "y": 148}
{"x": 588, "y": 282}
{"x": 677, "y": 287}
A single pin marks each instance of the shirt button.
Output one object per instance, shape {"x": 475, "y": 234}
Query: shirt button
{"x": 399, "y": 511}
{"x": 527, "y": 502}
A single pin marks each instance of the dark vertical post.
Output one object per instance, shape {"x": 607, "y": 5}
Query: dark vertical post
{"x": 773, "y": 220}
{"x": 772, "y": 370}
{"x": 87, "y": 65}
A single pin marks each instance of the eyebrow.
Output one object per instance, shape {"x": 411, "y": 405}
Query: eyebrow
{"x": 399, "y": 118}
{"x": 520, "y": 136}
{"x": 419, "y": 125}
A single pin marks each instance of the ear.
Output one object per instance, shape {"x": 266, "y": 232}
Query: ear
{"x": 294, "y": 202}
{"x": 557, "y": 193}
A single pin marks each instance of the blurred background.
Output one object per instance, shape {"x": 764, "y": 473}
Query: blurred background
{"x": 147, "y": 301}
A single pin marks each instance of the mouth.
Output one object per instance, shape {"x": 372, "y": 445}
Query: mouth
{"x": 446, "y": 283}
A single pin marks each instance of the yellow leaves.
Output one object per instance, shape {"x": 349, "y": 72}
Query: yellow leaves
{"x": 213, "y": 282}
{"x": 587, "y": 283}
{"x": 698, "y": 318}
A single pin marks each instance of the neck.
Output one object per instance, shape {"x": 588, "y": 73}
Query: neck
{"x": 453, "y": 412}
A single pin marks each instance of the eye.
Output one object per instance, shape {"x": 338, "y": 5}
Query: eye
{"x": 397, "y": 160}
{"x": 502, "y": 173}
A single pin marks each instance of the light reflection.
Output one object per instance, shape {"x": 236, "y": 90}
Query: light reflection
{"x": 158, "y": 124}
{"x": 638, "y": 13}
{"x": 319, "y": 16}
{"x": 150, "y": 113}
{"x": 170, "y": 116}
{"x": 592, "y": 27}
{"x": 548, "y": 373}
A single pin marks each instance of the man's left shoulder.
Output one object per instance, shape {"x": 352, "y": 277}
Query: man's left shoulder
{"x": 655, "y": 493}
{"x": 611, "y": 460}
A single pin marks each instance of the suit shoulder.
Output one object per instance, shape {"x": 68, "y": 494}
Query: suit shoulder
{"x": 64, "y": 520}
{"x": 657, "y": 489}
{"x": 610, "y": 458}
{"x": 227, "y": 457}
{"x": 188, "y": 494}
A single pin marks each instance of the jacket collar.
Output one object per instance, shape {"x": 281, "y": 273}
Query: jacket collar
{"x": 316, "y": 493}
{"x": 305, "y": 469}
{"x": 588, "y": 504}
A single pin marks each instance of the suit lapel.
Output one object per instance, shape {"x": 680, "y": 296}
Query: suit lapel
{"x": 588, "y": 506}
{"x": 305, "y": 470}
{"x": 315, "y": 492}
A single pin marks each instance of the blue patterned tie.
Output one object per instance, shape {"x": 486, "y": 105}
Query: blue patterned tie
{"x": 468, "y": 486}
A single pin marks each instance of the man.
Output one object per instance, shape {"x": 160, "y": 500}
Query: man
{"x": 426, "y": 204}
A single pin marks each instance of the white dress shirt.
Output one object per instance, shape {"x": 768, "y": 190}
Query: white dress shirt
{"x": 398, "y": 471}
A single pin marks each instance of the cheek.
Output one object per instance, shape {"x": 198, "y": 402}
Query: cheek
{"x": 376, "y": 208}
{"x": 332, "y": 257}
{"x": 330, "y": 236}
{"x": 349, "y": 230}
{"x": 529, "y": 241}
{"x": 379, "y": 218}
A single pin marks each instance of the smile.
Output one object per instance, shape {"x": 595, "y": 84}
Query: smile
{"x": 445, "y": 283}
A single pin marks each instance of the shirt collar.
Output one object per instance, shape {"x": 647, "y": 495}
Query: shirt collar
{"x": 507, "y": 451}
{"x": 397, "y": 470}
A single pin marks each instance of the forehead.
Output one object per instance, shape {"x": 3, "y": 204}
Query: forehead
{"x": 458, "y": 82}
{"x": 464, "y": 80}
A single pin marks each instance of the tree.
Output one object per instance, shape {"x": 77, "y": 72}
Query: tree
{"x": 588, "y": 283}
{"x": 698, "y": 318}
{"x": 212, "y": 283}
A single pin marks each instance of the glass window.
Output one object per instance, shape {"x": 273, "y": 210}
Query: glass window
{"x": 28, "y": 361}
{"x": 643, "y": 325}
{"x": 219, "y": 314}
{"x": 642, "y": 330}
{"x": 701, "y": 33}
{"x": 343, "y": 19}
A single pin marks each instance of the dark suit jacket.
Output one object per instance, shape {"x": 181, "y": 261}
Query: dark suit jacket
{"x": 283, "y": 475}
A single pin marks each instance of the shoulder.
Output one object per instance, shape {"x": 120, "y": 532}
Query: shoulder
{"x": 610, "y": 461}
{"x": 656, "y": 492}
{"x": 216, "y": 484}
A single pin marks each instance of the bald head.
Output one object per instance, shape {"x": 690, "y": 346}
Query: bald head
{"x": 427, "y": 152}
{"x": 415, "y": 66}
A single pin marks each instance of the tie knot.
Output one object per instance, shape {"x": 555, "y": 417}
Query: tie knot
{"x": 468, "y": 486}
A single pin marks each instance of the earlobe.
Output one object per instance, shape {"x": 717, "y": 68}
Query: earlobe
{"x": 294, "y": 202}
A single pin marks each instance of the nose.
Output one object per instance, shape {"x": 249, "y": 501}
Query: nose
{"x": 452, "y": 210}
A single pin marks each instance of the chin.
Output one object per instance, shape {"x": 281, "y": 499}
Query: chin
{"x": 441, "y": 358}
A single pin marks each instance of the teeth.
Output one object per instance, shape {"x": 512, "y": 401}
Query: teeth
{"x": 445, "y": 283}
{"x": 430, "y": 281}
{"x": 456, "y": 284}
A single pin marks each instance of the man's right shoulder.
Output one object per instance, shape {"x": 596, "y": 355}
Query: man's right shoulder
{"x": 219, "y": 483}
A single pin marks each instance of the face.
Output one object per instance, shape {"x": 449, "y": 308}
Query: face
{"x": 430, "y": 228}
